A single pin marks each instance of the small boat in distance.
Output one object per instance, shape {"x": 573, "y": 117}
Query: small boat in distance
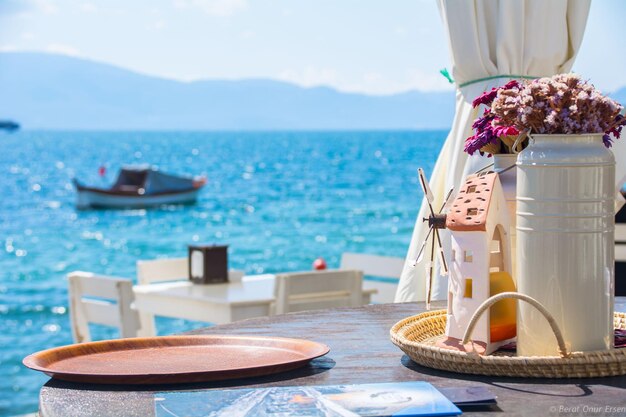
{"x": 141, "y": 186}
{"x": 9, "y": 125}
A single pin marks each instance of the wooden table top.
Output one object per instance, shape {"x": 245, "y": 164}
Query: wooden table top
{"x": 361, "y": 352}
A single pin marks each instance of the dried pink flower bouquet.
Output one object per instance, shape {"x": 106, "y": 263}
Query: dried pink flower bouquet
{"x": 562, "y": 104}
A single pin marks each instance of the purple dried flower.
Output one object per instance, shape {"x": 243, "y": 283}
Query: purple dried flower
{"x": 500, "y": 131}
{"x": 615, "y": 130}
{"x": 488, "y": 128}
{"x": 487, "y": 97}
{"x": 562, "y": 104}
{"x": 482, "y": 123}
{"x": 484, "y": 134}
{"x": 472, "y": 145}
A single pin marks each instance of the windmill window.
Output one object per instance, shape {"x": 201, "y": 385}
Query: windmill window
{"x": 468, "y": 256}
{"x": 495, "y": 246}
{"x": 453, "y": 255}
{"x": 471, "y": 189}
{"x": 472, "y": 211}
{"x": 468, "y": 288}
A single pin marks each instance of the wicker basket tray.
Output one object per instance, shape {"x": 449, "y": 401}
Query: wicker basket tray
{"x": 417, "y": 337}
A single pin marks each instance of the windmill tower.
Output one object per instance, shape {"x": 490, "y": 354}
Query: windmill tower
{"x": 480, "y": 264}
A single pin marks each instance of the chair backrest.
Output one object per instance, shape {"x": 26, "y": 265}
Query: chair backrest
{"x": 375, "y": 265}
{"x": 385, "y": 269}
{"x": 102, "y": 300}
{"x": 156, "y": 270}
{"x": 171, "y": 269}
{"x": 303, "y": 291}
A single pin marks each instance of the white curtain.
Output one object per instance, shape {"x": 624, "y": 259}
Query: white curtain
{"x": 490, "y": 38}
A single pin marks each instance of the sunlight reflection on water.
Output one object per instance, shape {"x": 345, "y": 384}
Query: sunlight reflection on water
{"x": 279, "y": 200}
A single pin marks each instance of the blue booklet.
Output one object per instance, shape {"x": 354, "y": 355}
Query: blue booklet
{"x": 401, "y": 399}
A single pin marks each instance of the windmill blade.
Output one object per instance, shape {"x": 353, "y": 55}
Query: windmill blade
{"x": 429, "y": 277}
{"x": 426, "y": 188}
{"x": 447, "y": 201}
{"x": 420, "y": 254}
{"x": 429, "y": 272}
{"x": 442, "y": 258}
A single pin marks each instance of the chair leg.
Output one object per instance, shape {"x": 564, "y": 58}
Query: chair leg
{"x": 147, "y": 328}
{"x": 78, "y": 320}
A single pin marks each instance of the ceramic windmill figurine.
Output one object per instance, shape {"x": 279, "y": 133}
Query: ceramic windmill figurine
{"x": 480, "y": 263}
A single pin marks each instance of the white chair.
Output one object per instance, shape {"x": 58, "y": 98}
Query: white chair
{"x": 112, "y": 307}
{"x": 379, "y": 267}
{"x": 302, "y": 291}
{"x": 171, "y": 269}
{"x": 166, "y": 269}
{"x": 157, "y": 270}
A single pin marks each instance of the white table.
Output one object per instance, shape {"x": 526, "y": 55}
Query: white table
{"x": 214, "y": 303}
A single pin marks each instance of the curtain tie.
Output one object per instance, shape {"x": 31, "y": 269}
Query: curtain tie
{"x": 495, "y": 77}
{"x": 446, "y": 74}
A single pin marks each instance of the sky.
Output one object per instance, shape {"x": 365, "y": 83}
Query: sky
{"x": 368, "y": 46}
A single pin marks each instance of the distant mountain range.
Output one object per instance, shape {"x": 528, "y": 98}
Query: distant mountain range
{"x": 47, "y": 91}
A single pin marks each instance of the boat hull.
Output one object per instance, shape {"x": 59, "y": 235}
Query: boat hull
{"x": 94, "y": 199}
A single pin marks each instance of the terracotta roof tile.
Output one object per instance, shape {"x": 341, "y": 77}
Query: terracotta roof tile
{"x": 471, "y": 205}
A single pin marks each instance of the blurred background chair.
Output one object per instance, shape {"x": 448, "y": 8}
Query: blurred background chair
{"x": 382, "y": 272}
{"x": 171, "y": 269}
{"x": 302, "y": 291}
{"x": 101, "y": 300}
{"x": 157, "y": 270}
{"x": 166, "y": 269}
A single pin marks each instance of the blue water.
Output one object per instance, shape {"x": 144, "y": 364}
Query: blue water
{"x": 278, "y": 199}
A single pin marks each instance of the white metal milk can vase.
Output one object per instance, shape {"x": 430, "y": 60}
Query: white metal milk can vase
{"x": 565, "y": 245}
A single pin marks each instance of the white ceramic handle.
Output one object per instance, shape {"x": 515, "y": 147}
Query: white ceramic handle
{"x": 494, "y": 299}
{"x": 518, "y": 141}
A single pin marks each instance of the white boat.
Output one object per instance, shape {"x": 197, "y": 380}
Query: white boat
{"x": 137, "y": 187}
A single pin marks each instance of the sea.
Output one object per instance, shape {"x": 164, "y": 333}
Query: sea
{"x": 279, "y": 200}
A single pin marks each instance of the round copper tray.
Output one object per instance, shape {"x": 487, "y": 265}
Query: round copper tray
{"x": 174, "y": 359}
